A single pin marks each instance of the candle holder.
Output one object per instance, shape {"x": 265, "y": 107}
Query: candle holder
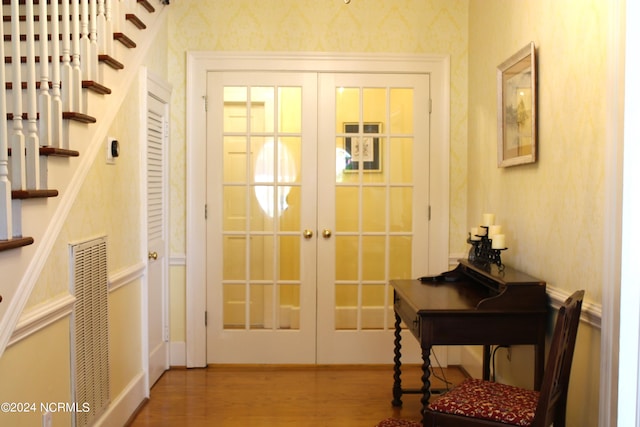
{"x": 481, "y": 251}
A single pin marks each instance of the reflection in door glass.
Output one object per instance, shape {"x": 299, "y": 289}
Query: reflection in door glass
{"x": 373, "y": 202}
{"x": 268, "y": 170}
{"x": 262, "y": 207}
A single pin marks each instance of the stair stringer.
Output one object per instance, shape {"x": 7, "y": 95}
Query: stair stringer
{"x": 22, "y": 268}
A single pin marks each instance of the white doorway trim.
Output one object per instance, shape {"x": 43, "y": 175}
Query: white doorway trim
{"x": 199, "y": 63}
{"x": 620, "y": 347}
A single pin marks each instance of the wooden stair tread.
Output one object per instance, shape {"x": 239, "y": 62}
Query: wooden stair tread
{"x": 96, "y": 87}
{"x": 23, "y": 18}
{"x": 14, "y": 243}
{"x": 111, "y": 62}
{"x": 67, "y": 115}
{"x": 124, "y": 39}
{"x": 22, "y": 2}
{"x": 78, "y": 117}
{"x": 135, "y": 21}
{"x": 86, "y": 84}
{"x": 55, "y": 152}
{"x": 23, "y": 59}
{"x": 33, "y": 194}
{"x": 23, "y": 37}
{"x": 58, "y": 152}
{"x": 23, "y": 85}
{"x": 146, "y": 5}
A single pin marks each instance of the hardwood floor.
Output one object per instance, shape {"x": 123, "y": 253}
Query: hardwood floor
{"x": 282, "y": 396}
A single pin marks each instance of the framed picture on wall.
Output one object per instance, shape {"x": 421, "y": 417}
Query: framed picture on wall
{"x": 517, "y": 87}
{"x": 362, "y": 151}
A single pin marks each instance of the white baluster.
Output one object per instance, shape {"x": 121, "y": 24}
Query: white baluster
{"x": 76, "y": 75}
{"x": 56, "y": 100}
{"x": 117, "y": 15}
{"x": 108, "y": 7}
{"x": 101, "y": 25}
{"x": 6, "y": 223}
{"x": 84, "y": 39}
{"x": 44, "y": 106}
{"x": 18, "y": 167}
{"x": 66, "y": 71}
{"x": 32, "y": 142}
{"x": 93, "y": 39}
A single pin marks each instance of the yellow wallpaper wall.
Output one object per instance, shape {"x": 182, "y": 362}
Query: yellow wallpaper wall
{"x": 551, "y": 211}
{"x": 106, "y": 205}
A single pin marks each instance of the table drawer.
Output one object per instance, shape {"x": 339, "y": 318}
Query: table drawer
{"x": 408, "y": 315}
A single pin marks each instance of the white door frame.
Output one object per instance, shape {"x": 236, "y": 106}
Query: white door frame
{"x": 200, "y": 63}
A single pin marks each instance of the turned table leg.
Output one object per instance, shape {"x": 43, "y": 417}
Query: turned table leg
{"x": 426, "y": 383}
{"x": 397, "y": 382}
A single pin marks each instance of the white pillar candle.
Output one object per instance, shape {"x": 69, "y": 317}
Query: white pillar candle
{"x": 494, "y": 229}
{"x": 488, "y": 219}
{"x": 482, "y": 231}
{"x": 474, "y": 233}
{"x": 498, "y": 242}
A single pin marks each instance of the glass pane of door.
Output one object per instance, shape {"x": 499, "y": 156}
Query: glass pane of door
{"x": 260, "y": 295}
{"x": 374, "y": 190}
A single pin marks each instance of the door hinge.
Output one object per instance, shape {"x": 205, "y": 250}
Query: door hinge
{"x": 206, "y": 102}
{"x": 206, "y": 318}
{"x": 429, "y": 213}
{"x": 206, "y": 211}
{"x": 166, "y": 333}
{"x": 430, "y": 105}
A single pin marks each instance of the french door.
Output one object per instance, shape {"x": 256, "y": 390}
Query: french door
{"x": 317, "y": 196}
{"x": 373, "y": 187}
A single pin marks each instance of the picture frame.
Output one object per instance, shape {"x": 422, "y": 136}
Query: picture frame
{"x": 363, "y": 151}
{"x": 517, "y": 108}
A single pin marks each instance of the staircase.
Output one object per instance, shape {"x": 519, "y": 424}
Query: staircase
{"x": 67, "y": 67}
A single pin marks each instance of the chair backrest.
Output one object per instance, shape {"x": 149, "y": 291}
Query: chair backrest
{"x": 552, "y": 405}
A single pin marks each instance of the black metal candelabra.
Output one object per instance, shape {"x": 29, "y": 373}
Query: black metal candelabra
{"x": 481, "y": 251}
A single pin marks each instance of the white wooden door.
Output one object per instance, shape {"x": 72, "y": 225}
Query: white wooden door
{"x": 373, "y": 182}
{"x": 261, "y": 192}
{"x": 317, "y": 196}
{"x": 157, "y": 139}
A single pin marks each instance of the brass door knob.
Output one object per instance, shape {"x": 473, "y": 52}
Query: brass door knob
{"x": 326, "y": 233}
{"x": 153, "y": 255}
{"x": 307, "y": 234}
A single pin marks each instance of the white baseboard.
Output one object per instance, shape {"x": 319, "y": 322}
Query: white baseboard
{"x": 178, "y": 353}
{"x": 125, "y": 404}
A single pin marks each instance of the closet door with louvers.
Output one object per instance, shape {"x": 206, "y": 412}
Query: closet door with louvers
{"x": 157, "y": 147}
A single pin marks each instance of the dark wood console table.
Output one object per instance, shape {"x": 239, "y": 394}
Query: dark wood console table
{"x": 470, "y": 305}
